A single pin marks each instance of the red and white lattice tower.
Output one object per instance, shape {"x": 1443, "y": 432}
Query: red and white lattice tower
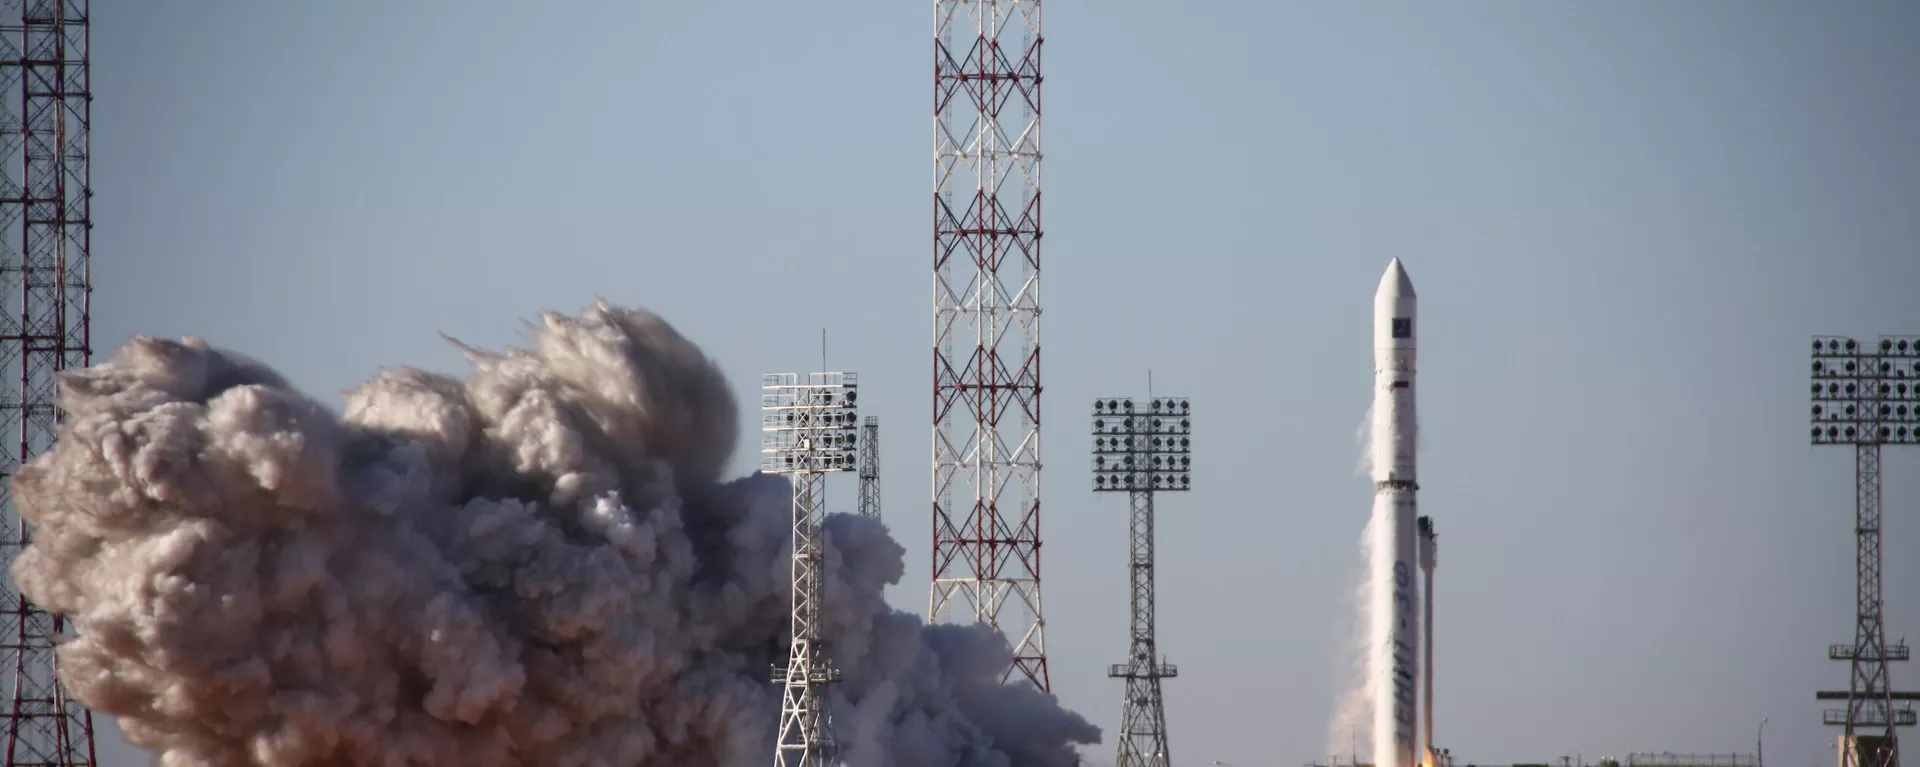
{"x": 986, "y": 322}
{"x": 45, "y": 283}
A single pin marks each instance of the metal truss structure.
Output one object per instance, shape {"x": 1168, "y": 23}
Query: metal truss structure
{"x": 1428, "y": 755}
{"x": 1866, "y": 398}
{"x": 986, "y": 320}
{"x": 808, "y": 430}
{"x": 870, "y": 468}
{"x": 46, "y": 283}
{"x": 1141, "y": 451}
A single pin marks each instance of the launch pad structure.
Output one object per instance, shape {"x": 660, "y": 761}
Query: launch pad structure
{"x": 45, "y": 327}
{"x": 809, "y": 429}
{"x": 1142, "y": 451}
{"x": 986, "y": 323}
{"x": 1867, "y": 398}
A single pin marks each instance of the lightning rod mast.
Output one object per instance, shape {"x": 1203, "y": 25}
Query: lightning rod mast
{"x": 986, "y": 326}
{"x": 45, "y": 328}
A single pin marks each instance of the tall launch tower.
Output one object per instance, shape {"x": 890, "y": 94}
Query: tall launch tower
{"x": 986, "y": 321}
{"x": 1142, "y": 451}
{"x": 808, "y": 430}
{"x": 1867, "y": 398}
{"x": 870, "y": 468}
{"x": 46, "y": 283}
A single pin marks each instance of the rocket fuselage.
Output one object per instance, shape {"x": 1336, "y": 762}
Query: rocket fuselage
{"x": 1396, "y": 485}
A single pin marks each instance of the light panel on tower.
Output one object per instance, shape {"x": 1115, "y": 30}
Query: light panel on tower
{"x": 809, "y": 425}
{"x": 1142, "y": 446}
{"x": 1865, "y": 394}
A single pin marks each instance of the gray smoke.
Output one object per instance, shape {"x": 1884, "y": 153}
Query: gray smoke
{"x": 537, "y": 565}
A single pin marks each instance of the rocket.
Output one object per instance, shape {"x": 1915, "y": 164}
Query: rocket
{"x": 1395, "y": 592}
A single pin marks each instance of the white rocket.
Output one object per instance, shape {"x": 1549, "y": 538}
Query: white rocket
{"x": 1395, "y": 596}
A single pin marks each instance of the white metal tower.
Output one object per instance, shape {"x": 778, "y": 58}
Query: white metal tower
{"x": 808, "y": 431}
{"x": 986, "y": 321}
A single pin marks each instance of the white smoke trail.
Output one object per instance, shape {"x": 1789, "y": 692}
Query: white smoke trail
{"x": 537, "y": 565}
{"x": 1352, "y": 721}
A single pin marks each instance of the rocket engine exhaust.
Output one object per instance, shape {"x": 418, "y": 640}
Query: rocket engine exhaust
{"x": 539, "y": 564}
{"x": 1393, "y": 606}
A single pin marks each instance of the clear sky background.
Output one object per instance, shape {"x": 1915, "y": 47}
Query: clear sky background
{"x": 1624, "y": 221}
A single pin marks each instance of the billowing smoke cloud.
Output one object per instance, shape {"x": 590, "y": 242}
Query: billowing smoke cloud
{"x": 537, "y": 565}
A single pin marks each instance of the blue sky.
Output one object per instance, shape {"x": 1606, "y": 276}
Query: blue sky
{"x": 1624, "y": 220}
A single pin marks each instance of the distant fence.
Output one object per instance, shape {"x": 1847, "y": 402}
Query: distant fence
{"x": 1668, "y": 759}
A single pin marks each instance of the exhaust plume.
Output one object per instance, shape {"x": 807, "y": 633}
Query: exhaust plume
{"x": 537, "y": 565}
{"x": 1352, "y": 722}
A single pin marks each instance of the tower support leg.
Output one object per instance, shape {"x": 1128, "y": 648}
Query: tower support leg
{"x": 806, "y": 729}
{"x": 1143, "y": 717}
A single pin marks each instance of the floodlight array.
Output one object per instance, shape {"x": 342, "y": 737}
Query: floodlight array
{"x": 1866, "y": 394}
{"x": 809, "y": 425}
{"x": 1144, "y": 447}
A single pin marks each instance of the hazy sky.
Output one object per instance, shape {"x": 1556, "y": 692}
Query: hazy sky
{"x": 1624, "y": 220}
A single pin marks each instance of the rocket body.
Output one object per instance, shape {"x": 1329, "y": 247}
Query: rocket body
{"x": 1395, "y": 614}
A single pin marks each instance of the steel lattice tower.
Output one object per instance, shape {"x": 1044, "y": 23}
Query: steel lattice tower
{"x": 870, "y": 468}
{"x": 1867, "y": 398}
{"x": 808, "y": 431}
{"x": 45, "y": 228}
{"x": 986, "y": 321}
{"x": 1141, "y": 452}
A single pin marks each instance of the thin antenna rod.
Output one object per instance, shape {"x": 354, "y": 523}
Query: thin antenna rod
{"x": 823, "y": 349}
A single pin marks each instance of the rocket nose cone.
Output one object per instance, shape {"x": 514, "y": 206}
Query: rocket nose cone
{"x": 1395, "y": 283}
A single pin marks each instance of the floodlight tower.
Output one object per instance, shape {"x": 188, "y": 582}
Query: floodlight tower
{"x": 870, "y": 468}
{"x": 1141, "y": 451}
{"x": 45, "y": 327}
{"x": 808, "y": 430}
{"x": 1867, "y": 398}
{"x": 986, "y": 321}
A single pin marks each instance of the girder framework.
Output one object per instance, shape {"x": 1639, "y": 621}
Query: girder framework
{"x": 1141, "y": 451}
{"x": 45, "y": 312}
{"x": 808, "y": 430}
{"x": 870, "y": 468}
{"x": 1867, "y": 397}
{"x": 986, "y": 317}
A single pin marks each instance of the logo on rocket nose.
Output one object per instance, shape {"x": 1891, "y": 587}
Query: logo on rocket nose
{"x": 1403, "y": 327}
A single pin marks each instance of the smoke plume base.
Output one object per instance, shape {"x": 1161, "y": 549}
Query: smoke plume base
{"x": 537, "y": 564}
